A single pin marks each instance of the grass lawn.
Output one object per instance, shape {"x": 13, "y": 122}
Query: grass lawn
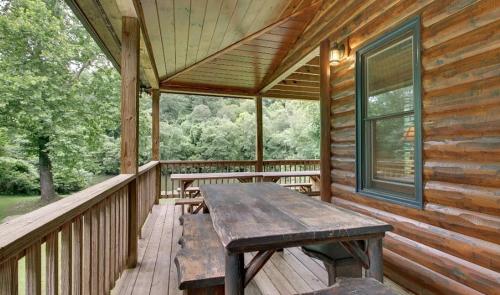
{"x": 11, "y": 206}
{"x": 17, "y": 205}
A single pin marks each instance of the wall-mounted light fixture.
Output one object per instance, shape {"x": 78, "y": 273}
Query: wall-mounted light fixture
{"x": 337, "y": 52}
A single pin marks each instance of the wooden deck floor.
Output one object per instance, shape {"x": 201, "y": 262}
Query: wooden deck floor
{"x": 288, "y": 272}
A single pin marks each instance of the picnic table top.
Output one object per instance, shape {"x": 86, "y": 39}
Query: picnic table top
{"x": 265, "y": 216}
{"x": 290, "y": 173}
{"x": 219, "y": 175}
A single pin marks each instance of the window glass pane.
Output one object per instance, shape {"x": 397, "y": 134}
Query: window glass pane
{"x": 393, "y": 149}
{"x": 389, "y": 79}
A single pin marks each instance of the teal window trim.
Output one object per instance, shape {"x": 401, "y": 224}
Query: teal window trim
{"x": 411, "y": 27}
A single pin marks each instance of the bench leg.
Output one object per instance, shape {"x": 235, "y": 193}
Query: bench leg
{"x": 216, "y": 290}
{"x": 235, "y": 274}
{"x": 346, "y": 268}
{"x": 330, "y": 269}
{"x": 376, "y": 269}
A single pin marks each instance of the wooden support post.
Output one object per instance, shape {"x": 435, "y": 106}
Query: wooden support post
{"x": 259, "y": 143}
{"x": 155, "y": 96}
{"x": 325, "y": 102}
{"x": 155, "y": 153}
{"x": 130, "y": 123}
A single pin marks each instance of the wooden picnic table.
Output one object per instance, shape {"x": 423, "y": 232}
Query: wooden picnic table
{"x": 187, "y": 179}
{"x": 274, "y": 176}
{"x": 266, "y": 217}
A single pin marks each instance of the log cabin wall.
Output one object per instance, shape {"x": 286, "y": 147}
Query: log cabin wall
{"x": 452, "y": 245}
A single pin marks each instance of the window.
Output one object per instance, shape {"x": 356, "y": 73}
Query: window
{"x": 388, "y": 107}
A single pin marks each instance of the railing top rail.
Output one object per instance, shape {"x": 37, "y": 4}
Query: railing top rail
{"x": 291, "y": 161}
{"x": 19, "y": 233}
{"x": 249, "y": 162}
{"x": 146, "y": 167}
{"x": 287, "y": 161}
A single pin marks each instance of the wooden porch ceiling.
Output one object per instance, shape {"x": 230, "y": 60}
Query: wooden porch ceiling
{"x": 217, "y": 47}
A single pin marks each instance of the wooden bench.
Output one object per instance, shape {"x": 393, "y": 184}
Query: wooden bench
{"x": 191, "y": 203}
{"x": 346, "y": 286}
{"x": 191, "y": 191}
{"x": 201, "y": 261}
{"x": 300, "y": 187}
{"x": 337, "y": 260}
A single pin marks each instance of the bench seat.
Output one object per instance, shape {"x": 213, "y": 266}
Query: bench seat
{"x": 301, "y": 187}
{"x": 346, "y": 286}
{"x": 201, "y": 261}
{"x": 190, "y": 190}
{"x": 191, "y": 203}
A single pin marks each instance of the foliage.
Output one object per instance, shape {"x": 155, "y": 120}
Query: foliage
{"x": 53, "y": 83}
{"x": 17, "y": 177}
{"x": 204, "y": 128}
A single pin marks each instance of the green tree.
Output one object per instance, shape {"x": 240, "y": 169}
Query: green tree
{"x": 46, "y": 59}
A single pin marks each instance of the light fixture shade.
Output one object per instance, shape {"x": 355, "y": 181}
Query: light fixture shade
{"x": 336, "y": 54}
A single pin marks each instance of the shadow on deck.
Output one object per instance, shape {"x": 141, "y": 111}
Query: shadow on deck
{"x": 288, "y": 272}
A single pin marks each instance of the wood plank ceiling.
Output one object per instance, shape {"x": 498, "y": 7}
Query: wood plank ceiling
{"x": 227, "y": 47}
{"x": 190, "y": 42}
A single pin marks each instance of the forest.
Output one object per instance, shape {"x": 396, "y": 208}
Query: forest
{"x": 60, "y": 110}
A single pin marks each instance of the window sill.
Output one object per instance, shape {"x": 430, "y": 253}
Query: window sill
{"x": 384, "y": 196}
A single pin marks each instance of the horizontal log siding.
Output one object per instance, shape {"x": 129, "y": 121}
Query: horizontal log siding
{"x": 453, "y": 244}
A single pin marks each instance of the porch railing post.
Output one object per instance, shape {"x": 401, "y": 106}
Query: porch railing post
{"x": 259, "y": 144}
{"x": 130, "y": 124}
{"x": 325, "y": 114}
{"x": 155, "y": 153}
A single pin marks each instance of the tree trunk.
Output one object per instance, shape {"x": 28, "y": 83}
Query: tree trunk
{"x": 45, "y": 166}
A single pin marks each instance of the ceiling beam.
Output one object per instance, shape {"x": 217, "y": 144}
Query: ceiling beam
{"x": 289, "y": 71}
{"x": 203, "y": 89}
{"x": 242, "y": 41}
{"x": 331, "y": 18}
{"x": 305, "y": 49}
{"x": 126, "y": 8}
{"x": 133, "y": 8}
{"x": 288, "y": 96}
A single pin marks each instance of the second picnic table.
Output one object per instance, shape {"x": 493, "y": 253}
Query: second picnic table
{"x": 187, "y": 179}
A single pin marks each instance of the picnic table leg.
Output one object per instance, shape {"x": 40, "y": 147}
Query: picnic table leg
{"x": 376, "y": 269}
{"x": 182, "y": 195}
{"x": 235, "y": 274}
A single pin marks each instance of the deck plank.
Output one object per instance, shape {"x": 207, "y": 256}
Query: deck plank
{"x": 287, "y": 272}
{"x": 127, "y": 280}
{"x": 147, "y": 265}
{"x": 161, "y": 278}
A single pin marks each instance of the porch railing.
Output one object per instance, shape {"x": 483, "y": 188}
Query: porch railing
{"x": 170, "y": 188}
{"x": 80, "y": 244}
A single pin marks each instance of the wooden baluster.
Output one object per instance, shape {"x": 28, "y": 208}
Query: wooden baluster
{"x": 87, "y": 252}
{"x": 66, "y": 261}
{"x": 112, "y": 239}
{"x": 102, "y": 259}
{"x": 113, "y": 248}
{"x": 108, "y": 279}
{"x": 77, "y": 257}
{"x": 295, "y": 169}
{"x": 8, "y": 277}
{"x": 127, "y": 225}
{"x": 119, "y": 234}
{"x": 33, "y": 269}
{"x": 52, "y": 264}
{"x": 94, "y": 252}
{"x": 173, "y": 186}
